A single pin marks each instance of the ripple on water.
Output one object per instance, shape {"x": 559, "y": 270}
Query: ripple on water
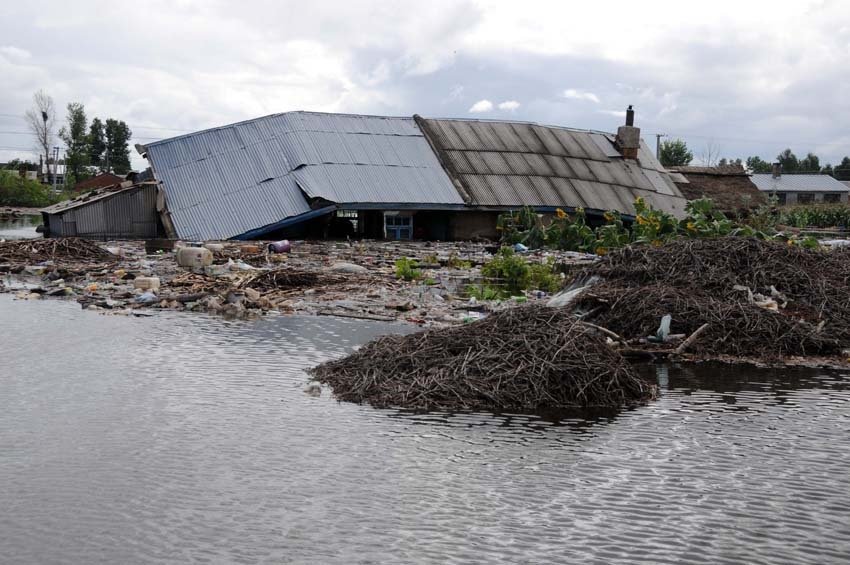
{"x": 188, "y": 438}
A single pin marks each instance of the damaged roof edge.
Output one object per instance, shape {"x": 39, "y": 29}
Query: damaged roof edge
{"x": 286, "y": 222}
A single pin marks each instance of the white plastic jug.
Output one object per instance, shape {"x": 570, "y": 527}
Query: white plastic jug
{"x": 194, "y": 257}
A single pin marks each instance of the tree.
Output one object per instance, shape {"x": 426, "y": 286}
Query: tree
{"x": 710, "y": 154}
{"x": 789, "y": 161}
{"x": 827, "y": 170}
{"x": 842, "y": 170}
{"x": 41, "y": 121}
{"x": 809, "y": 164}
{"x": 117, "y": 146}
{"x": 97, "y": 144}
{"x": 758, "y": 165}
{"x": 724, "y": 162}
{"x": 76, "y": 144}
{"x": 675, "y": 153}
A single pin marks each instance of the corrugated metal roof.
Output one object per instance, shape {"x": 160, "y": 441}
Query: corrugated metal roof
{"x": 798, "y": 183}
{"x": 517, "y": 163}
{"x": 223, "y": 182}
{"x": 94, "y": 196}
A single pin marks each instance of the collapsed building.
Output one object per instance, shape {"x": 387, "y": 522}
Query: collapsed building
{"x": 729, "y": 186}
{"x": 313, "y": 174}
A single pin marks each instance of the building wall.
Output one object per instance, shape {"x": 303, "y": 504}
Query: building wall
{"x": 473, "y": 225}
{"x": 127, "y": 215}
{"x": 792, "y": 198}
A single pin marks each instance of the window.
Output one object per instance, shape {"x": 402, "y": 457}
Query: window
{"x": 398, "y": 227}
{"x": 805, "y": 198}
{"x": 780, "y": 198}
{"x": 832, "y": 197}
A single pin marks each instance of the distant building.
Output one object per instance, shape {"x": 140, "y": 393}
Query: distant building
{"x": 728, "y": 186}
{"x": 25, "y": 170}
{"x": 802, "y": 188}
{"x": 49, "y": 170}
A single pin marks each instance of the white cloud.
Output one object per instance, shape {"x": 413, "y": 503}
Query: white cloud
{"x": 481, "y": 106}
{"x": 509, "y": 105}
{"x": 15, "y": 52}
{"x": 574, "y": 94}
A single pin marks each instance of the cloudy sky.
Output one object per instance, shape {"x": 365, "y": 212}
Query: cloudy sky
{"x": 736, "y": 78}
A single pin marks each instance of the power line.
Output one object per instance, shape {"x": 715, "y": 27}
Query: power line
{"x": 798, "y": 142}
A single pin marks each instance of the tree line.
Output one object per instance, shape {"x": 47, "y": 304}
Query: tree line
{"x": 90, "y": 148}
{"x": 675, "y": 153}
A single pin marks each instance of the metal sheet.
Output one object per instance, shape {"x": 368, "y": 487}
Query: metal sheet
{"x": 798, "y": 183}
{"x": 223, "y": 182}
{"x": 125, "y": 214}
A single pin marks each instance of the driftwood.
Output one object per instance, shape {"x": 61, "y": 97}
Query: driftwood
{"x": 690, "y": 339}
{"x": 526, "y": 358}
{"x": 38, "y": 250}
{"x": 698, "y": 282}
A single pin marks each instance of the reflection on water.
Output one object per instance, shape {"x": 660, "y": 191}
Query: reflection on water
{"x": 187, "y": 438}
{"x": 21, "y": 227}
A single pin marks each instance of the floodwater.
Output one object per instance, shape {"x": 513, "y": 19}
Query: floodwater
{"x": 22, "y": 227}
{"x": 180, "y": 438}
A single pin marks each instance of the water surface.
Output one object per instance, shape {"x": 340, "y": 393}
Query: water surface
{"x": 186, "y": 438}
{"x": 22, "y": 227}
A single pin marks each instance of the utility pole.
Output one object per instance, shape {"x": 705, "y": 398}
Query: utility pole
{"x": 658, "y": 137}
{"x": 47, "y": 155}
{"x": 55, "y": 166}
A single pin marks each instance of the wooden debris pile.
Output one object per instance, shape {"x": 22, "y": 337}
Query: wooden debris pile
{"x": 526, "y": 358}
{"x": 289, "y": 279}
{"x": 758, "y": 298}
{"x": 38, "y": 250}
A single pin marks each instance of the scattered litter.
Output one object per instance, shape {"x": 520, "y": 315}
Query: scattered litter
{"x": 347, "y": 268}
{"x": 282, "y": 246}
{"x": 147, "y": 298}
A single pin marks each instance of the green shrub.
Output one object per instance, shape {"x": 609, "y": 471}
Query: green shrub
{"x": 18, "y": 191}
{"x": 482, "y": 292}
{"x": 544, "y": 276}
{"x": 406, "y": 268}
{"x": 571, "y": 234}
{"x": 456, "y": 262}
{"x": 816, "y": 216}
{"x": 509, "y": 269}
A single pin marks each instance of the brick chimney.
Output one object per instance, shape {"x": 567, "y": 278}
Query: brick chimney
{"x": 628, "y": 136}
{"x": 777, "y": 170}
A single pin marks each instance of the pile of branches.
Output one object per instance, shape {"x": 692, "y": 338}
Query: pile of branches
{"x": 38, "y": 250}
{"x": 526, "y": 358}
{"x": 288, "y": 279}
{"x": 712, "y": 281}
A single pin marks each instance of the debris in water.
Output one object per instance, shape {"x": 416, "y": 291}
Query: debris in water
{"x": 760, "y": 299}
{"x": 526, "y": 358}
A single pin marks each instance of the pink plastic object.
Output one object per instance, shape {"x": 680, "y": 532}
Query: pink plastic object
{"x": 282, "y": 246}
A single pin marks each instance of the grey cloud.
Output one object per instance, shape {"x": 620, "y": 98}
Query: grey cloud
{"x": 189, "y": 65}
